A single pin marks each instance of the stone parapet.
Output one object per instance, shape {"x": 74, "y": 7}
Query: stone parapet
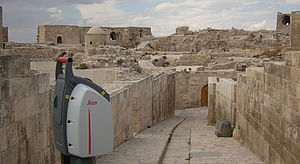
{"x": 268, "y": 110}
{"x": 25, "y": 113}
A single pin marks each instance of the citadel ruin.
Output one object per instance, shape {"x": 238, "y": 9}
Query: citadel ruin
{"x": 250, "y": 78}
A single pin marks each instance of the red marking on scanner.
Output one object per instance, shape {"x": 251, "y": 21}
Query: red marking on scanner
{"x": 89, "y": 131}
{"x": 92, "y": 102}
{"x": 62, "y": 59}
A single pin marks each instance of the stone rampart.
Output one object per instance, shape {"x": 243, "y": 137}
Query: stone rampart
{"x": 268, "y": 109}
{"x": 26, "y": 110}
{"x": 25, "y": 113}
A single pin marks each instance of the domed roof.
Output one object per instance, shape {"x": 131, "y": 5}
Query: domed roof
{"x": 96, "y": 30}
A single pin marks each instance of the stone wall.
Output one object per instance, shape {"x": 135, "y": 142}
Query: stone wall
{"x": 122, "y": 36}
{"x": 188, "y": 86}
{"x": 281, "y": 25}
{"x": 222, "y": 100}
{"x": 295, "y": 29}
{"x": 267, "y": 118}
{"x": 26, "y": 103}
{"x": 49, "y": 34}
{"x": 39, "y": 52}
{"x": 140, "y": 104}
{"x": 25, "y": 113}
{"x": 208, "y": 39}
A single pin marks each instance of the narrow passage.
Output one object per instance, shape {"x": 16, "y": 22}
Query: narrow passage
{"x": 185, "y": 139}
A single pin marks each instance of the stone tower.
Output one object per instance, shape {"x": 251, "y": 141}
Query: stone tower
{"x": 94, "y": 37}
{"x": 3, "y": 31}
{"x": 283, "y": 23}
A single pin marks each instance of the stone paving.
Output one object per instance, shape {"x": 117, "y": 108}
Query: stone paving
{"x": 183, "y": 139}
{"x": 146, "y": 147}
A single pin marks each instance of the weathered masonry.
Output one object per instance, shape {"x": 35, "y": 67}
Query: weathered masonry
{"x": 70, "y": 34}
{"x": 3, "y": 31}
{"x": 264, "y": 106}
{"x": 26, "y": 110}
{"x": 289, "y": 24}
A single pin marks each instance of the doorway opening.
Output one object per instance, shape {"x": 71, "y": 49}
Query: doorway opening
{"x": 204, "y": 96}
{"x": 59, "y": 40}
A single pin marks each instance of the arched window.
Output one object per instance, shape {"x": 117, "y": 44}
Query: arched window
{"x": 286, "y": 20}
{"x": 91, "y": 42}
{"x": 113, "y": 36}
{"x": 59, "y": 40}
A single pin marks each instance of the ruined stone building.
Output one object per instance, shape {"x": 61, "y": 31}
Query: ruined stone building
{"x": 3, "y": 31}
{"x": 289, "y": 24}
{"x": 71, "y": 34}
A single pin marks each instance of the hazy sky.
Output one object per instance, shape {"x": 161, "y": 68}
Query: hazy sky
{"x": 23, "y": 16}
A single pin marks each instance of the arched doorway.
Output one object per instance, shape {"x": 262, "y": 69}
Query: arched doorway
{"x": 59, "y": 40}
{"x": 204, "y": 96}
{"x": 113, "y": 36}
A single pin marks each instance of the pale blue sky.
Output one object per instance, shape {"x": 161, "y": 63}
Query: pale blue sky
{"x": 23, "y": 16}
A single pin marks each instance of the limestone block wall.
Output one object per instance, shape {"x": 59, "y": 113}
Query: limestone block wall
{"x": 137, "y": 105}
{"x": 212, "y": 81}
{"x": 25, "y": 113}
{"x": 268, "y": 110}
{"x": 163, "y": 97}
{"x": 188, "y": 86}
{"x": 280, "y": 26}
{"x": 295, "y": 29}
{"x": 225, "y": 103}
{"x": 49, "y": 34}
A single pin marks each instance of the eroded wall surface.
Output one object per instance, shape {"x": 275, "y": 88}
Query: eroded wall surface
{"x": 26, "y": 110}
{"x": 268, "y": 110}
{"x": 25, "y": 113}
{"x": 225, "y": 103}
{"x": 295, "y": 29}
{"x": 140, "y": 104}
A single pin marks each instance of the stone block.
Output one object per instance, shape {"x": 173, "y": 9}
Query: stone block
{"x": 295, "y": 119}
{"x": 14, "y": 65}
{"x": 10, "y": 155}
{"x": 30, "y": 124}
{"x": 44, "y": 120}
{"x": 18, "y": 87}
{"x": 40, "y": 141}
{"x": 42, "y": 101}
{"x": 293, "y": 103}
{"x": 4, "y": 88}
{"x": 12, "y": 134}
{"x": 3, "y": 139}
{"x": 45, "y": 156}
{"x": 287, "y": 157}
{"x": 298, "y": 90}
{"x": 22, "y": 152}
{"x": 25, "y": 107}
{"x": 43, "y": 82}
{"x": 295, "y": 74}
{"x": 292, "y": 58}
{"x": 292, "y": 147}
{"x": 7, "y": 113}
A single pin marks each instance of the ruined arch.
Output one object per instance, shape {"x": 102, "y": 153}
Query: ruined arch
{"x": 59, "y": 40}
{"x": 286, "y": 20}
{"x": 113, "y": 36}
{"x": 204, "y": 95}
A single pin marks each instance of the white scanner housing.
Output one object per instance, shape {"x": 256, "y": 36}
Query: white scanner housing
{"x": 89, "y": 123}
